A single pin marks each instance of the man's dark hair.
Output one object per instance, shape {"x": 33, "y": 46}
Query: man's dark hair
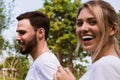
{"x": 37, "y": 20}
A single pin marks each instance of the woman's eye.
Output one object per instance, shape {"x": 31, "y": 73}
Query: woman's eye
{"x": 79, "y": 23}
{"x": 92, "y": 22}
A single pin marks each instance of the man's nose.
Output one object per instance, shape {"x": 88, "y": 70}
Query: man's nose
{"x": 18, "y": 37}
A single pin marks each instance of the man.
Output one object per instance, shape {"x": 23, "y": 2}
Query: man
{"x": 33, "y": 28}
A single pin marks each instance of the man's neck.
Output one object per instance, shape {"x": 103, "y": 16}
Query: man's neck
{"x": 39, "y": 50}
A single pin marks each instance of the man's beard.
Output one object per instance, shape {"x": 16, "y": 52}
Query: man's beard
{"x": 29, "y": 46}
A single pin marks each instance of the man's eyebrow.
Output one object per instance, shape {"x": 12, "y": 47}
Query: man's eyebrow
{"x": 20, "y": 31}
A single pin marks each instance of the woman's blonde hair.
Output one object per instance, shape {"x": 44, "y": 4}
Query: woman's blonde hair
{"x": 106, "y": 17}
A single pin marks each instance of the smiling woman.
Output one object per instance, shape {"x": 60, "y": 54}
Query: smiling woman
{"x": 96, "y": 29}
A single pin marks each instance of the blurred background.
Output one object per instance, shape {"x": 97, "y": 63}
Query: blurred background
{"x": 62, "y": 38}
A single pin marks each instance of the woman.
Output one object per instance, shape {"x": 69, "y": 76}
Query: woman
{"x": 97, "y": 28}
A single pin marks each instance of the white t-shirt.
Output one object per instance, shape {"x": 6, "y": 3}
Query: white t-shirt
{"x": 44, "y": 67}
{"x": 107, "y": 68}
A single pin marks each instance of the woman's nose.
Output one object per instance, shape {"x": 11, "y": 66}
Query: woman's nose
{"x": 85, "y": 27}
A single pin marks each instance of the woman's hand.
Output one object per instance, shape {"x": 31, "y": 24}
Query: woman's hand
{"x": 63, "y": 74}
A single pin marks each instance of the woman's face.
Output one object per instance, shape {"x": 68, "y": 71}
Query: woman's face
{"x": 87, "y": 30}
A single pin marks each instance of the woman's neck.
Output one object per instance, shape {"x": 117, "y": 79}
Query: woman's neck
{"x": 107, "y": 50}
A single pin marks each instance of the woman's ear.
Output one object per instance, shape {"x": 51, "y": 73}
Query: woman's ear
{"x": 113, "y": 30}
{"x": 40, "y": 33}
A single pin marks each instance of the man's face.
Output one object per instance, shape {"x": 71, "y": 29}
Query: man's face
{"x": 26, "y": 36}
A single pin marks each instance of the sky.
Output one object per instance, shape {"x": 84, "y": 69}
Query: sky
{"x": 22, "y": 6}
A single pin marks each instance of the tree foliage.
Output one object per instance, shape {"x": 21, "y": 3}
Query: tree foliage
{"x": 2, "y": 16}
{"x": 2, "y": 22}
{"x": 5, "y": 17}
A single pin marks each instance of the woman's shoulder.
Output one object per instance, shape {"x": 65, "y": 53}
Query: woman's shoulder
{"x": 108, "y": 61}
{"x": 107, "y": 67}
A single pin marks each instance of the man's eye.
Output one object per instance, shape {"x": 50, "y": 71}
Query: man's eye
{"x": 79, "y": 23}
{"x": 21, "y": 32}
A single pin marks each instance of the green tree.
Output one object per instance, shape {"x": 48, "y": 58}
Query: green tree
{"x": 62, "y": 39}
{"x": 2, "y": 16}
{"x": 2, "y": 22}
{"x": 5, "y": 21}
